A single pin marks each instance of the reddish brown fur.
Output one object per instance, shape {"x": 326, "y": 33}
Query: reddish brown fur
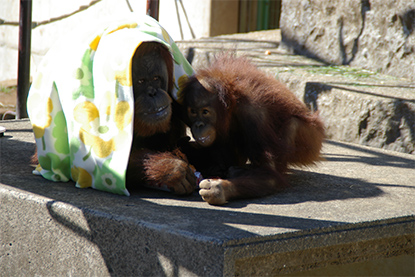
{"x": 259, "y": 120}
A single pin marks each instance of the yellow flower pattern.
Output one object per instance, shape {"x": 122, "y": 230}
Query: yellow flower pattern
{"x": 82, "y": 108}
{"x": 94, "y": 44}
{"x": 122, "y": 114}
{"x": 84, "y": 113}
{"x": 41, "y": 120}
{"x": 166, "y": 36}
{"x": 91, "y": 133}
{"x": 81, "y": 177}
{"x": 116, "y": 68}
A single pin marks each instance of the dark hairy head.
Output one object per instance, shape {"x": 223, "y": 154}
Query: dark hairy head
{"x": 152, "y": 74}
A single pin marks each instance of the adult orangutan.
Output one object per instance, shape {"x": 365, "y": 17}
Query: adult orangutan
{"x": 248, "y": 128}
{"x": 154, "y": 158}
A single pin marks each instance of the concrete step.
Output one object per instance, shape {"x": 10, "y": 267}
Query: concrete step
{"x": 356, "y": 105}
{"x": 351, "y": 214}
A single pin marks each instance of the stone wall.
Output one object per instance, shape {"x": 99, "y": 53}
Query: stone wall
{"x": 374, "y": 34}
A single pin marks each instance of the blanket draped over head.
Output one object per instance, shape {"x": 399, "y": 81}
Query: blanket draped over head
{"x": 81, "y": 102}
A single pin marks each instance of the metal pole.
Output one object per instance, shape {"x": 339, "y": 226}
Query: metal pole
{"x": 153, "y": 8}
{"x": 23, "y": 78}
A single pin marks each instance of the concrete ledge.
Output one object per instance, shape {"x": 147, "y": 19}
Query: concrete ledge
{"x": 356, "y": 207}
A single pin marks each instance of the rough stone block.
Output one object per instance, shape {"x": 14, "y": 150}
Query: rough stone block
{"x": 370, "y": 119}
{"x": 377, "y": 35}
{"x": 366, "y": 111}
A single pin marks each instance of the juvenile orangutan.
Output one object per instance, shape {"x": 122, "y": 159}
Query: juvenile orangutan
{"x": 248, "y": 127}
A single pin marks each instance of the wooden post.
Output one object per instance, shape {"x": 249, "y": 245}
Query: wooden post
{"x": 153, "y": 8}
{"x": 23, "y": 75}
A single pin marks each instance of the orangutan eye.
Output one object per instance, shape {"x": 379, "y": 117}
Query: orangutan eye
{"x": 205, "y": 111}
{"x": 192, "y": 111}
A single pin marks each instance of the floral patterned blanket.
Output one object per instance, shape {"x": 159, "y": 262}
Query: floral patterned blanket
{"x": 81, "y": 102}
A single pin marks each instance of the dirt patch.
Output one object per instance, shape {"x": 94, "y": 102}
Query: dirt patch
{"x": 8, "y": 94}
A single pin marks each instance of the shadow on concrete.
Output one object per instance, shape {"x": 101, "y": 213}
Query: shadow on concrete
{"x": 125, "y": 238}
{"x": 306, "y": 186}
{"x": 216, "y": 40}
{"x": 314, "y": 89}
{"x": 255, "y": 53}
{"x": 377, "y": 158}
{"x": 118, "y": 224}
{"x": 327, "y": 86}
{"x": 409, "y": 86}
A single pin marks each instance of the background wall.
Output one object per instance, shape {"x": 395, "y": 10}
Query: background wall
{"x": 183, "y": 19}
{"x": 374, "y": 34}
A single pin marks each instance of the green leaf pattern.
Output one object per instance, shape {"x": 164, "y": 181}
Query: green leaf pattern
{"x": 78, "y": 145}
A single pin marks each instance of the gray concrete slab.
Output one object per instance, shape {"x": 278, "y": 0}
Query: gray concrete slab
{"x": 356, "y": 206}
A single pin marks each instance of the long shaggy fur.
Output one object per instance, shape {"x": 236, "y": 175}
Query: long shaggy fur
{"x": 259, "y": 120}
{"x": 270, "y": 116}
